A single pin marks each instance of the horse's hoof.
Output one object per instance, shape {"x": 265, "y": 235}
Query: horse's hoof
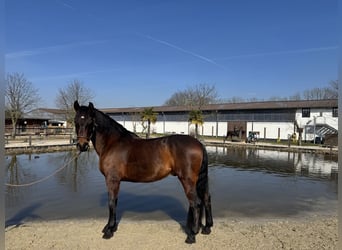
{"x": 107, "y": 235}
{"x": 206, "y": 230}
{"x": 195, "y": 230}
{"x": 109, "y": 228}
{"x": 190, "y": 239}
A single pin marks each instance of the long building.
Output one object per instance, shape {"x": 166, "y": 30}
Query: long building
{"x": 269, "y": 120}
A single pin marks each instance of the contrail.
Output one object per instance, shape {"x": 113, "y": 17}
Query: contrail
{"x": 65, "y": 4}
{"x": 78, "y": 9}
{"x": 74, "y": 75}
{"x": 206, "y": 59}
{"x": 49, "y": 49}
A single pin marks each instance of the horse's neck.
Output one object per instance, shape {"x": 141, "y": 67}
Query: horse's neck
{"x": 106, "y": 131}
{"x": 106, "y": 125}
{"x": 98, "y": 141}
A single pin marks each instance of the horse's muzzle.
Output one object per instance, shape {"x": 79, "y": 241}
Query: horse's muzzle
{"x": 83, "y": 147}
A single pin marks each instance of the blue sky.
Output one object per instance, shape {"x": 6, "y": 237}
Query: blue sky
{"x": 138, "y": 53}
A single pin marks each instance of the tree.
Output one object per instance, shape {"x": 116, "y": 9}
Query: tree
{"x": 330, "y": 92}
{"x": 151, "y": 117}
{"x": 66, "y": 97}
{"x": 135, "y": 119}
{"x": 20, "y": 97}
{"x": 333, "y": 90}
{"x": 196, "y": 117}
{"x": 234, "y": 99}
{"x": 197, "y": 96}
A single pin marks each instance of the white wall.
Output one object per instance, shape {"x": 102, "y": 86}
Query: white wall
{"x": 170, "y": 127}
{"x": 286, "y": 128}
{"x": 214, "y": 129}
{"x": 159, "y": 127}
{"x": 323, "y": 116}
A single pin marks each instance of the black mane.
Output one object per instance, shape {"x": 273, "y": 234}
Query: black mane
{"x": 104, "y": 123}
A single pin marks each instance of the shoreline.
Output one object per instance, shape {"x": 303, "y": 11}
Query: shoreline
{"x": 313, "y": 232}
{"x": 57, "y": 145}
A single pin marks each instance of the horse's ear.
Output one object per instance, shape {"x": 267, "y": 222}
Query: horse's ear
{"x": 91, "y": 107}
{"x": 76, "y": 105}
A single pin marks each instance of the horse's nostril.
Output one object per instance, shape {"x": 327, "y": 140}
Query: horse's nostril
{"x": 82, "y": 147}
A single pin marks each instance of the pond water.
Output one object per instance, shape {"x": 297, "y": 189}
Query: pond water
{"x": 243, "y": 183}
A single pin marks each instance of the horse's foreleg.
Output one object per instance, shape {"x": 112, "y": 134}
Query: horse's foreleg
{"x": 113, "y": 190}
{"x": 111, "y": 226}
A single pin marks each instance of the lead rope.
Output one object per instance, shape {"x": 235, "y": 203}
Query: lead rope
{"x": 45, "y": 178}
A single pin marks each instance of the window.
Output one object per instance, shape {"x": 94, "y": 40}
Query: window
{"x": 335, "y": 112}
{"x": 306, "y": 112}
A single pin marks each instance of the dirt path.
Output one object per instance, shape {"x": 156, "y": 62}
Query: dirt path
{"x": 313, "y": 233}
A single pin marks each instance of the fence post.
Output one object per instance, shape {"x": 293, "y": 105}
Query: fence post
{"x": 30, "y": 140}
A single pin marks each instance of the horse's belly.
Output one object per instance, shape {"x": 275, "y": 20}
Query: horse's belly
{"x": 147, "y": 174}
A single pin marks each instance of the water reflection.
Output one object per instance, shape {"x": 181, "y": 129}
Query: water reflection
{"x": 276, "y": 162}
{"x": 25, "y": 169}
{"x": 243, "y": 182}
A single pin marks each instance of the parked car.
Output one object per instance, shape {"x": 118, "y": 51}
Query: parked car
{"x": 252, "y": 137}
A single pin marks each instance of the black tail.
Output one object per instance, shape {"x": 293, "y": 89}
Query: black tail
{"x": 202, "y": 188}
{"x": 202, "y": 182}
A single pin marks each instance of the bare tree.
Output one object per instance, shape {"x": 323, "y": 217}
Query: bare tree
{"x": 330, "y": 92}
{"x": 314, "y": 94}
{"x": 20, "y": 97}
{"x": 66, "y": 97}
{"x": 295, "y": 97}
{"x": 235, "y": 99}
{"x": 205, "y": 94}
{"x": 179, "y": 98}
{"x": 197, "y": 96}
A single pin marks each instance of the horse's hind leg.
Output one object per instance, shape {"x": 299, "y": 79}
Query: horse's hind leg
{"x": 193, "y": 217}
{"x": 193, "y": 220}
{"x": 205, "y": 207}
{"x": 208, "y": 215}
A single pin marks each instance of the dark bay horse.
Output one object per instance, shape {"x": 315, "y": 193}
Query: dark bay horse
{"x": 123, "y": 156}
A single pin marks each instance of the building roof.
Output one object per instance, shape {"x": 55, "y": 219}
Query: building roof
{"x": 234, "y": 106}
{"x": 45, "y": 114}
{"x": 59, "y": 115}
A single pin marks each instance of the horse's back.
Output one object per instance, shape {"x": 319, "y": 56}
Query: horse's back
{"x": 183, "y": 139}
{"x": 186, "y": 151}
{"x": 175, "y": 142}
{"x": 176, "y": 146}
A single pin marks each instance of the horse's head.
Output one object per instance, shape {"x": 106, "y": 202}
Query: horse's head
{"x": 85, "y": 125}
